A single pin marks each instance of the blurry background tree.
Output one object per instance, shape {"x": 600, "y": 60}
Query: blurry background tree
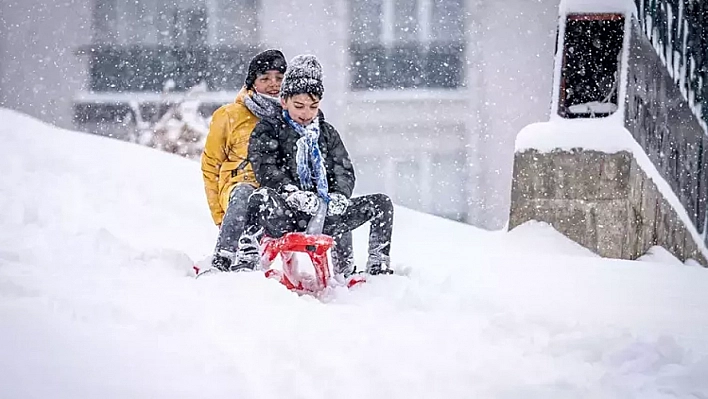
{"x": 180, "y": 130}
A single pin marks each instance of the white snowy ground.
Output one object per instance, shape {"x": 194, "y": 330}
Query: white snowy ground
{"x": 97, "y": 237}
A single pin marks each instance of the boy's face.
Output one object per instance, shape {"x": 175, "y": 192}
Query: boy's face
{"x": 269, "y": 83}
{"x": 302, "y": 108}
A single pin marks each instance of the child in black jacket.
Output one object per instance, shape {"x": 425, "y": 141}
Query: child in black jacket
{"x": 299, "y": 158}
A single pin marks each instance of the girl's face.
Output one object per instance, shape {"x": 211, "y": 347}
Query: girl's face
{"x": 302, "y": 108}
{"x": 269, "y": 83}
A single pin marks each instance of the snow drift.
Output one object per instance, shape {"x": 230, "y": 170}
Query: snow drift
{"x": 97, "y": 237}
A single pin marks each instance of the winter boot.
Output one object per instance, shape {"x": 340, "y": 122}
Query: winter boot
{"x": 222, "y": 261}
{"x": 342, "y": 256}
{"x": 378, "y": 264}
{"x": 344, "y": 267}
{"x": 248, "y": 255}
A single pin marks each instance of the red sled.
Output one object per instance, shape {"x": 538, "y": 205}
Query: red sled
{"x": 311, "y": 242}
{"x": 316, "y": 247}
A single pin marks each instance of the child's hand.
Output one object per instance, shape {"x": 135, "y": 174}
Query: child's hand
{"x": 288, "y": 189}
{"x": 305, "y": 201}
{"x": 338, "y": 203}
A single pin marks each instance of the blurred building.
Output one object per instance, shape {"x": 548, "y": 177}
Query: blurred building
{"x": 427, "y": 94}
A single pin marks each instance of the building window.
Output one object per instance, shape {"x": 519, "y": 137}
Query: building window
{"x": 141, "y": 45}
{"x": 402, "y": 44}
{"x": 591, "y": 65}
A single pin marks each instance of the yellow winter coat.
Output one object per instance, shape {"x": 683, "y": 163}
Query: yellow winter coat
{"x": 225, "y": 155}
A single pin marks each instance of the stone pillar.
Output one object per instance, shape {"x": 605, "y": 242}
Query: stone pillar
{"x": 603, "y": 201}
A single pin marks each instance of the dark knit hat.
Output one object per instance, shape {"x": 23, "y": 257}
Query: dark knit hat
{"x": 269, "y": 60}
{"x": 303, "y": 76}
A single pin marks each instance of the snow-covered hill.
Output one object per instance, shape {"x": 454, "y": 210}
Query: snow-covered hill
{"x": 97, "y": 237}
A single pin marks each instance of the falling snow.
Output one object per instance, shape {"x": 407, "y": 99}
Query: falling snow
{"x": 429, "y": 97}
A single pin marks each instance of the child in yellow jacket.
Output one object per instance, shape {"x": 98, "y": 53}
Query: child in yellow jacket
{"x": 228, "y": 176}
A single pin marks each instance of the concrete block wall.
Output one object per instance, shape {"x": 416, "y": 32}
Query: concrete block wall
{"x": 605, "y": 202}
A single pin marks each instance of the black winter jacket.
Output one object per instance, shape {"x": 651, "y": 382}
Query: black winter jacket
{"x": 272, "y": 152}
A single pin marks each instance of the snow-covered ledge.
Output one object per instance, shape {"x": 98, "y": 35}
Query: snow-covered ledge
{"x": 589, "y": 177}
{"x": 594, "y": 183}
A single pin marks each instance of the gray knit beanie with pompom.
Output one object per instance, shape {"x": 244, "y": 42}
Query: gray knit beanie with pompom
{"x": 303, "y": 76}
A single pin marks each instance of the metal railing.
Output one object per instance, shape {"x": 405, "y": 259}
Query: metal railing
{"x": 667, "y": 96}
{"x": 678, "y": 30}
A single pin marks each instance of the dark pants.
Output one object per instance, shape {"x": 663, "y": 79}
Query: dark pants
{"x": 277, "y": 218}
{"x": 235, "y": 218}
{"x": 343, "y": 254}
